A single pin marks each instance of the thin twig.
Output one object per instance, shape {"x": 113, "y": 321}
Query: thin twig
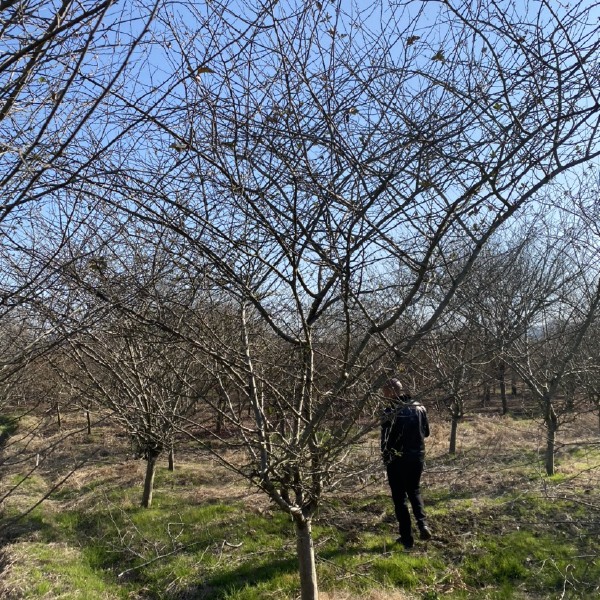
{"x": 157, "y": 558}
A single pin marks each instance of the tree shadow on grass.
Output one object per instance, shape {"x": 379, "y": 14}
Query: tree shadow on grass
{"x": 222, "y": 584}
{"x": 15, "y": 527}
{"x": 250, "y": 575}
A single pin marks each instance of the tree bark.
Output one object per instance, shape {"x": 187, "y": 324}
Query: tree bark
{"x": 89, "y": 422}
{"x": 453, "y": 430}
{"x": 149, "y": 479}
{"x": 550, "y": 450}
{"x": 219, "y": 418}
{"x": 171, "y": 459}
{"x": 309, "y": 589}
{"x": 485, "y": 399}
{"x": 551, "y": 428}
{"x": 502, "y": 380}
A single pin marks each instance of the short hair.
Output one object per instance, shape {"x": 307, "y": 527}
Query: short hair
{"x": 394, "y": 385}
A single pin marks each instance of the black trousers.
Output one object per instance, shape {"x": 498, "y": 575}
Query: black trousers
{"x": 404, "y": 477}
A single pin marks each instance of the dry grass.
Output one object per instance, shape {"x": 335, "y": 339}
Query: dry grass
{"x": 372, "y": 595}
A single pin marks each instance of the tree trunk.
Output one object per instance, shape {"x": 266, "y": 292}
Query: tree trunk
{"x": 485, "y": 400}
{"x": 219, "y": 423}
{"x": 513, "y": 384}
{"x": 453, "y": 429}
{"x": 171, "y": 459}
{"x": 502, "y": 380}
{"x": 550, "y": 450}
{"x": 309, "y": 589}
{"x": 551, "y": 422}
{"x": 89, "y": 422}
{"x": 58, "y": 415}
{"x": 149, "y": 479}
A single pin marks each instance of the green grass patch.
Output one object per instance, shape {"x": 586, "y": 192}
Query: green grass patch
{"x": 180, "y": 478}
{"x": 61, "y": 571}
{"x": 406, "y": 569}
{"x": 219, "y": 551}
{"x": 67, "y": 492}
{"x": 8, "y": 427}
{"x": 222, "y": 544}
{"x": 540, "y": 562}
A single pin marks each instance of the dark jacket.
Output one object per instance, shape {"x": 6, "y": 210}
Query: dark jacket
{"x": 403, "y": 431}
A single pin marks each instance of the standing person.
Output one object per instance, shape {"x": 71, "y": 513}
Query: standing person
{"x": 403, "y": 431}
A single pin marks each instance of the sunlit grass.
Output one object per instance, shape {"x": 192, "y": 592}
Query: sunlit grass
{"x": 61, "y": 571}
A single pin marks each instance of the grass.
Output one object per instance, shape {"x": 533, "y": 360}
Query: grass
{"x": 502, "y": 530}
{"x": 58, "y": 570}
{"x": 8, "y": 426}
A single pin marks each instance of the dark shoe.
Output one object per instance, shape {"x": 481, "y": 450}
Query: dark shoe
{"x": 408, "y": 544}
{"x": 425, "y": 533}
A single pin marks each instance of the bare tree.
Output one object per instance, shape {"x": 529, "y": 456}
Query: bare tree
{"x": 547, "y": 356}
{"x": 62, "y": 62}
{"x": 322, "y": 166}
{"x": 519, "y": 274}
{"x": 61, "y": 67}
{"x": 122, "y": 301}
{"x": 587, "y": 375}
{"x": 450, "y": 358}
{"x": 580, "y": 200}
{"x": 319, "y": 169}
{"x": 145, "y": 379}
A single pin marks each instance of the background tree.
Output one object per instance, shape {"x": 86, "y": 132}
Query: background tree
{"x": 450, "y": 356}
{"x": 61, "y": 66}
{"x": 581, "y": 203}
{"x": 587, "y": 376}
{"x": 517, "y": 276}
{"x": 128, "y": 299}
{"x": 546, "y": 356}
{"x": 146, "y": 380}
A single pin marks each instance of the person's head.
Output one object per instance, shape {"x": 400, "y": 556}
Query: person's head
{"x": 393, "y": 390}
